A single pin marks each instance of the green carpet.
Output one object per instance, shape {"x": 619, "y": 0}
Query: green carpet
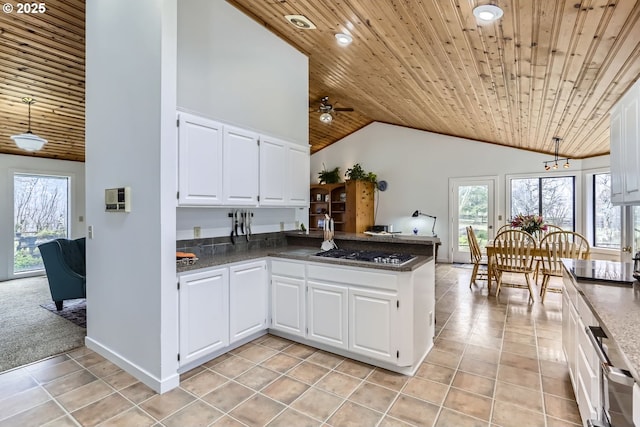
{"x": 29, "y": 333}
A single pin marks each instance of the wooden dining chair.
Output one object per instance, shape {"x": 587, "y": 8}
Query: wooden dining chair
{"x": 558, "y": 245}
{"x": 538, "y": 260}
{"x": 480, "y": 269}
{"x": 513, "y": 253}
{"x": 505, "y": 227}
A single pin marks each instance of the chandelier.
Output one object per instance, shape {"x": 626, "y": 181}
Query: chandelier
{"x": 554, "y": 162}
{"x": 29, "y": 141}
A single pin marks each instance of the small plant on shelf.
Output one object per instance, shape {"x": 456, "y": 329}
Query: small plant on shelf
{"x": 357, "y": 173}
{"x": 329, "y": 176}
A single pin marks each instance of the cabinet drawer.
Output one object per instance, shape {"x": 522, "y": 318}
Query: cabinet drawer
{"x": 287, "y": 268}
{"x": 353, "y": 276}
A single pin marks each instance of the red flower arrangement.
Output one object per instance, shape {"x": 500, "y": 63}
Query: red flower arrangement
{"x": 530, "y": 223}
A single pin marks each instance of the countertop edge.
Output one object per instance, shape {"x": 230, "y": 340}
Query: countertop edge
{"x": 289, "y": 252}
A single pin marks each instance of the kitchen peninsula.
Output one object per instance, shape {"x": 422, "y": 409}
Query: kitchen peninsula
{"x": 377, "y": 313}
{"x": 608, "y": 299}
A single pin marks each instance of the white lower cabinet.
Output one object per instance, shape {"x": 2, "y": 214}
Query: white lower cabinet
{"x": 288, "y": 305}
{"x": 381, "y": 317}
{"x": 220, "y": 306}
{"x": 204, "y": 313}
{"x": 373, "y": 324}
{"x": 248, "y": 299}
{"x": 327, "y": 313}
{"x": 582, "y": 359}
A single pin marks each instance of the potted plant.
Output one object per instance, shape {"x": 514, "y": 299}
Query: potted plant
{"x": 329, "y": 176}
{"x": 357, "y": 173}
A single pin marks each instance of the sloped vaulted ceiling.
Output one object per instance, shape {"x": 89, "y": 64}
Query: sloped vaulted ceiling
{"x": 547, "y": 68}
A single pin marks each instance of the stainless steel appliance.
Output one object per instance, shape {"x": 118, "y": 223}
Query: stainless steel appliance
{"x": 368, "y": 256}
{"x": 616, "y": 383}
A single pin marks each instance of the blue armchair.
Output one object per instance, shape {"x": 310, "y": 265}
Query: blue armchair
{"x": 64, "y": 262}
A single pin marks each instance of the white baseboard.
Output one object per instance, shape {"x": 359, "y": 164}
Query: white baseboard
{"x": 156, "y": 384}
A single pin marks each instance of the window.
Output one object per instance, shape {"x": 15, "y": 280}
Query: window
{"x": 607, "y": 223}
{"x": 553, "y": 198}
{"x": 40, "y": 213}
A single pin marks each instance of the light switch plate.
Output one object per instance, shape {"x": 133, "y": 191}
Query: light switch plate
{"x": 196, "y": 232}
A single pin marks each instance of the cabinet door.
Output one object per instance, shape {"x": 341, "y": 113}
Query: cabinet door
{"x": 204, "y": 315}
{"x": 373, "y": 318}
{"x": 631, "y": 147}
{"x": 199, "y": 161}
{"x": 241, "y": 165}
{"x": 327, "y": 313}
{"x": 273, "y": 172}
{"x": 298, "y": 179}
{"x": 615, "y": 146}
{"x": 288, "y": 305}
{"x": 248, "y": 299}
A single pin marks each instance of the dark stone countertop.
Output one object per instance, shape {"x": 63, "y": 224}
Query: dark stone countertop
{"x": 617, "y": 308}
{"x": 300, "y": 253}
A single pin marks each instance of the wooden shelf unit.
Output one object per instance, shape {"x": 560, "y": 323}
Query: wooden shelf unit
{"x": 350, "y": 204}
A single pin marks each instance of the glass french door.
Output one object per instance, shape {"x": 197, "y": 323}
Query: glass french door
{"x": 472, "y": 203}
{"x": 40, "y": 214}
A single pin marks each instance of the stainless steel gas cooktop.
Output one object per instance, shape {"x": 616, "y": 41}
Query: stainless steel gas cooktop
{"x": 379, "y": 257}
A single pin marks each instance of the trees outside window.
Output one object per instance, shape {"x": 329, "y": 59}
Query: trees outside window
{"x": 553, "y": 198}
{"x": 607, "y": 219}
{"x": 41, "y": 213}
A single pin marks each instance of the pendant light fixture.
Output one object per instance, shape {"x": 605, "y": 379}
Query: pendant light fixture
{"x": 29, "y": 141}
{"x": 554, "y": 162}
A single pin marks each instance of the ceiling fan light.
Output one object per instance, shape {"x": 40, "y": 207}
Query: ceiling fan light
{"x": 344, "y": 39}
{"x": 326, "y": 118}
{"x": 29, "y": 142}
{"x": 488, "y": 12}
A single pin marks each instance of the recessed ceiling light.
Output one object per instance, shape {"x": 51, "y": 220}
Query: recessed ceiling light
{"x": 488, "y": 12}
{"x": 344, "y": 39}
{"x": 300, "y": 22}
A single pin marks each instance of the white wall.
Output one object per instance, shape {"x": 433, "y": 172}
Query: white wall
{"x": 417, "y": 166}
{"x": 232, "y": 69}
{"x": 130, "y": 141}
{"x": 9, "y": 165}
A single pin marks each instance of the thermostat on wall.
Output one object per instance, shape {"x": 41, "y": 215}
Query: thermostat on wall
{"x": 117, "y": 199}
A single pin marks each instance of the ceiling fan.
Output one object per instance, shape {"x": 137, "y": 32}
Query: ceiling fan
{"x": 326, "y": 109}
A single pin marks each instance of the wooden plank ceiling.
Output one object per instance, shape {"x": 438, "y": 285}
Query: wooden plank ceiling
{"x": 42, "y": 57}
{"x": 547, "y": 68}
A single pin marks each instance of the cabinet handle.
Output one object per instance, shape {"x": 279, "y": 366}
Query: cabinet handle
{"x": 617, "y": 375}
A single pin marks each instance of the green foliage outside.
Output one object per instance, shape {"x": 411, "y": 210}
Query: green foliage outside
{"x": 23, "y": 260}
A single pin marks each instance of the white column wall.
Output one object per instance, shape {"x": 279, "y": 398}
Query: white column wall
{"x": 130, "y": 141}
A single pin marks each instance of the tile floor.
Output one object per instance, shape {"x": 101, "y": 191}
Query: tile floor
{"x": 494, "y": 363}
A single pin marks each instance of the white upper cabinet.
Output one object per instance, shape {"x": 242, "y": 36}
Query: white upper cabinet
{"x": 625, "y": 148}
{"x": 225, "y": 165}
{"x": 284, "y": 173}
{"x": 199, "y": 161}
{"x": 273, "y": 171}
{"x": 241, "y": 164}
{"x": 298, "y": 179}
